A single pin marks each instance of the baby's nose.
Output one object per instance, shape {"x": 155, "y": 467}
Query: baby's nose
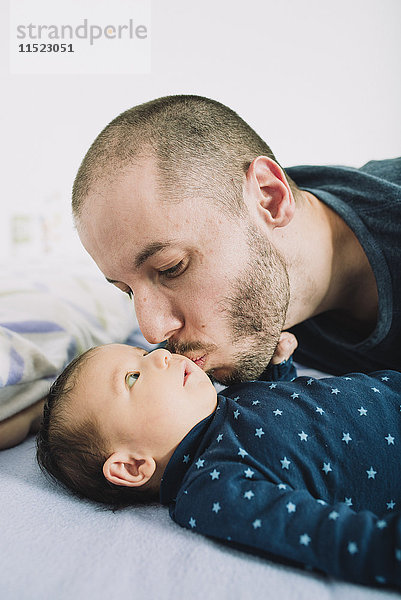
{"x": 160, "y": 358}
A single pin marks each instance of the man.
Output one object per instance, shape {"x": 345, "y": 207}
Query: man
{"x": 185, "y": 208}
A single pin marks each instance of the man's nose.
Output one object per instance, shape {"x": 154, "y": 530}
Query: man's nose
{"x": 156, "y": 318}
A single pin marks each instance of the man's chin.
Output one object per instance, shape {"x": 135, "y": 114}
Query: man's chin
{"x": 224, "y": 376}
{"x": 249, "y": 368}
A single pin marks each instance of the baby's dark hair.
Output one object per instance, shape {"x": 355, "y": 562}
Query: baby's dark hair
{"x": 73, "y": 453}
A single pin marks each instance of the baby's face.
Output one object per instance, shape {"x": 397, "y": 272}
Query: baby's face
{"x": 148, "y": 400}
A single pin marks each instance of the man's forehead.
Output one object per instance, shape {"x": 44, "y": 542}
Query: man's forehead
{"x": 128, "y": 204}
{"x": 141, "y": 225}
{"x": 135, "y": 223}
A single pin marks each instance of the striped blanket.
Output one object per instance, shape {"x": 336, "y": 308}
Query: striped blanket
{"x": 48, "y": 315}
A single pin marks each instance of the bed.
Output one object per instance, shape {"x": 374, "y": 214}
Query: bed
{"x": 54, "y": 546}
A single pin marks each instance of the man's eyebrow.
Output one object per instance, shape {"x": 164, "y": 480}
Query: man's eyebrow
{"x": 147, "y": 252}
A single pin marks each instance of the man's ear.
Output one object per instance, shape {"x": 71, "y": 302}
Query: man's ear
{"x": 268, "y": 185}
{"x": 122, "y": 468}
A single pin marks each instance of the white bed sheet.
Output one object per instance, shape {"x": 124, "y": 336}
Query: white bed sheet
{"x": 56, "y": 547}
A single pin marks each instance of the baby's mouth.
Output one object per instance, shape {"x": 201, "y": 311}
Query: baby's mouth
{"x": 187, "y": 371}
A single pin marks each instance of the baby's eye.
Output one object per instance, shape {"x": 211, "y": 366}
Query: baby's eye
{"x": 130, "y": 379}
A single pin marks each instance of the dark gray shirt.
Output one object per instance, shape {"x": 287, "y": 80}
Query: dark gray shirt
{"x": 369, "y": 201}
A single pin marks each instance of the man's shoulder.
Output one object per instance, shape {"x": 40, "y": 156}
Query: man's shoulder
{"x": 389, "y": 169}
{"x": 386, "y": 171}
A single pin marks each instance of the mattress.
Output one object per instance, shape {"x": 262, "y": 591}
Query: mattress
{"x": 56, "y": 547}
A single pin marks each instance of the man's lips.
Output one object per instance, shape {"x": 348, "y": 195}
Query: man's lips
{"x": 200, "y": 360}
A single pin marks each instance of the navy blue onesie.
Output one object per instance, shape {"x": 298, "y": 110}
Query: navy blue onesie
{"x": 307, "y": 471}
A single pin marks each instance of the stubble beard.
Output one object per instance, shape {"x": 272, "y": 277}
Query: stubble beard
{"x": 255, "y": 312}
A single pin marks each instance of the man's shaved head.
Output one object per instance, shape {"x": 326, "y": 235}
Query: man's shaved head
{"x": 199, "y": 144}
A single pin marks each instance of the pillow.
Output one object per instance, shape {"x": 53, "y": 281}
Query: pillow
{"x": 48, "y": 315}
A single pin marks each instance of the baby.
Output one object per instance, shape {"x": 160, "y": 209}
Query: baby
{"x": 307, "y": 471}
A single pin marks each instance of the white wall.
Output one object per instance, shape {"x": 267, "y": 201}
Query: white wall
{"x": 319, "y": 81}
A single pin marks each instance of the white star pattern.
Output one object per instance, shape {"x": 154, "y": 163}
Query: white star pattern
{"x": 348, "y": 378}
{"x": 371, "y": 473}
{"x": 318, "y": 450}
{"x": 304, "y": 539}
{"x": 249, "y": 495}
{"x": 326, "y": 467}
{"x": 236, "y": 398}
{"x": 352, "y": 548}
{"x": 285, "y": 463}
{"x": 384, "y": 378}
{"x": 291, "y": 507}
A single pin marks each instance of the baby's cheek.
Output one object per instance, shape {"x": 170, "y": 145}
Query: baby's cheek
{"x": 163, "y": 424}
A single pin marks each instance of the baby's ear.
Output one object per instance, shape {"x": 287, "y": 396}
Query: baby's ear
{"x": 130, "y": 470}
